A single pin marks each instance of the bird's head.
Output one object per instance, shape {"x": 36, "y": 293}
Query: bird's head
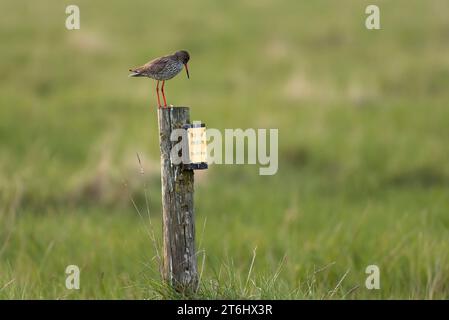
{"x": 183, "y": 57}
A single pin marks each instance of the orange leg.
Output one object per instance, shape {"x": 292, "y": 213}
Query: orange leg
{"x": 163, "y": 94}
{"x": 157, "y": 92}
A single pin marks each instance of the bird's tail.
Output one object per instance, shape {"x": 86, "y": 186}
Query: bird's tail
{"x": 134, "y": 73}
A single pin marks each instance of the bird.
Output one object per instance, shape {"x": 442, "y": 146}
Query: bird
{"x": 162, "y": 69}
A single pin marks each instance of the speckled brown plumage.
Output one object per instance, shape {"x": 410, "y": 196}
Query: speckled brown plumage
{"x": 163, "y": 68}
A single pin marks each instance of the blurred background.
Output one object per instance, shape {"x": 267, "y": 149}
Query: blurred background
{"x": 363, "y": 147}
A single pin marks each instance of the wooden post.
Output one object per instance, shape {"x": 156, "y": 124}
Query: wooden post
{"x": 179, "y": 256}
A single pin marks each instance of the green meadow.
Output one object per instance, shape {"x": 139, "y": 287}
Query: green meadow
{"x": 363, "y": 122}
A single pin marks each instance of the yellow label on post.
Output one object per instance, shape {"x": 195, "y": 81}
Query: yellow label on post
{"x": 197, "y": 144}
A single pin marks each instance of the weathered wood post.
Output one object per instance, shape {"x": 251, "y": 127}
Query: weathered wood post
{"x": 179, "y": 256}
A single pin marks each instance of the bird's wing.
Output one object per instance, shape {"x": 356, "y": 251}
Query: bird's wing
{"x": 152, "y": 67}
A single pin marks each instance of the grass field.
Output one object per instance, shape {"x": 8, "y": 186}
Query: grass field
{"x": 363, "y": 125}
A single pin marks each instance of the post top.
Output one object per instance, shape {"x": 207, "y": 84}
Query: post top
{"x": 173, "y": 108}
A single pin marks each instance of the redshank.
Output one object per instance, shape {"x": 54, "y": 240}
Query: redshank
{"x": 163, "y": 68}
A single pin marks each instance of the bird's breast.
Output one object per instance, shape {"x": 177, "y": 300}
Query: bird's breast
{"x": 169, "y": 71}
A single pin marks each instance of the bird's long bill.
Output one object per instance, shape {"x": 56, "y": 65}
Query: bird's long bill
{"x": 187, "y": 71}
